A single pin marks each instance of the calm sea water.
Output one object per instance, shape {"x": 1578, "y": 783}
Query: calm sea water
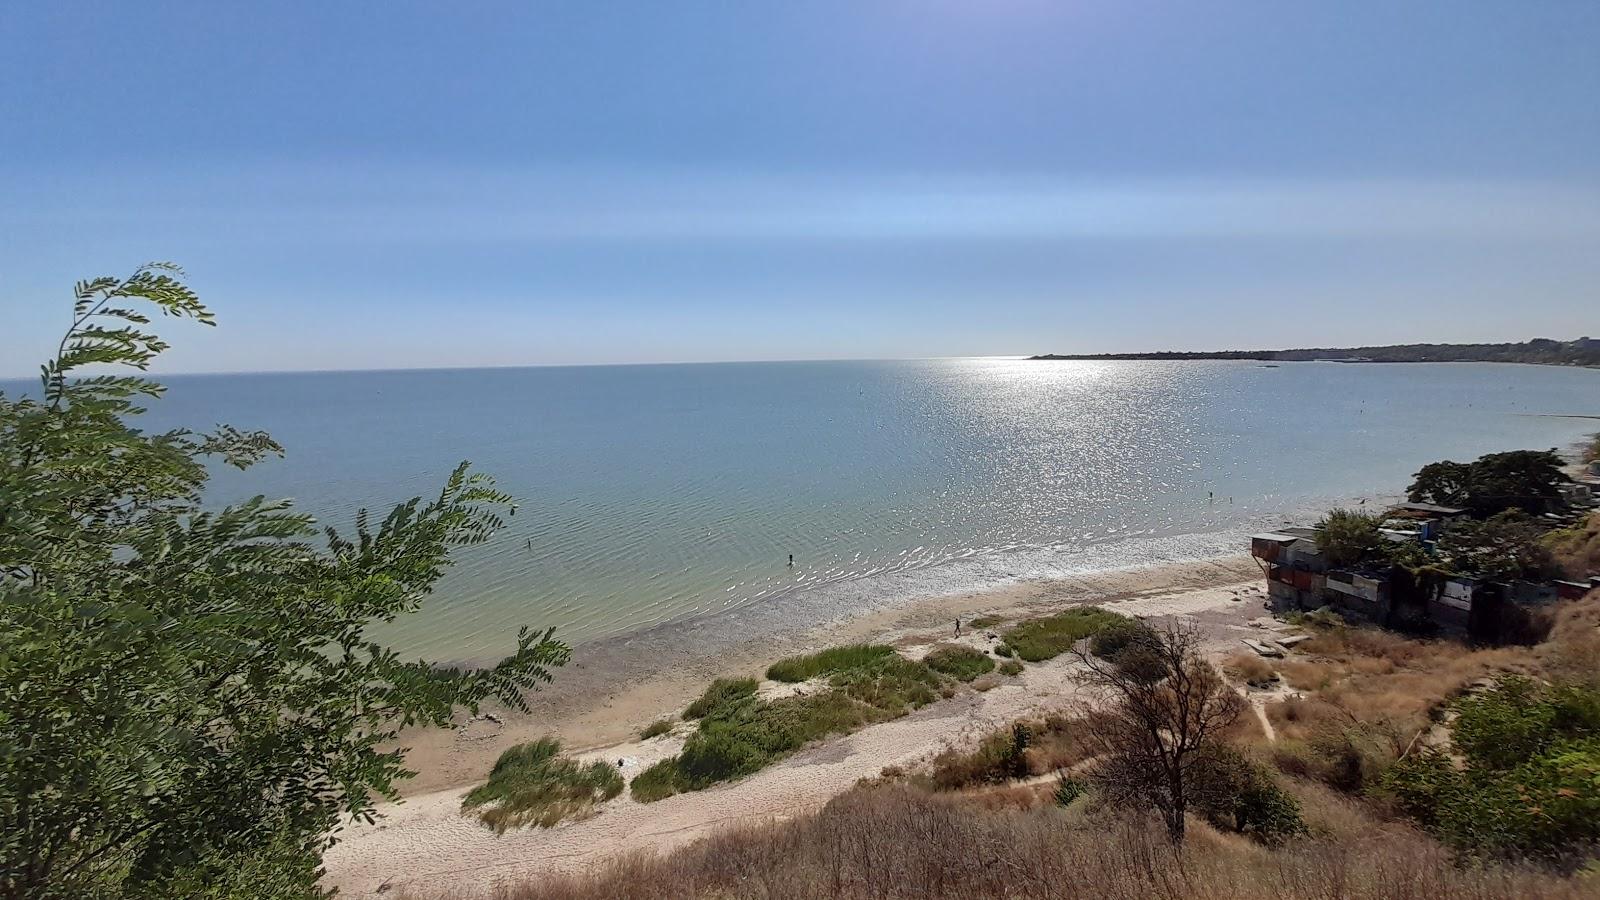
{"x": 652, "y": 494}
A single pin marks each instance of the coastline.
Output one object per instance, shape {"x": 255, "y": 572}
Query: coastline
{"x": 613, "y": 688}
{"x": 425, "y": 844}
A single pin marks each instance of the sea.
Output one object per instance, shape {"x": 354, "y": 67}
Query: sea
{"x": 666, "y": 495}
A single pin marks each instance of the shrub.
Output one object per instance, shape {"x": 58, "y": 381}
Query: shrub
{"x": 1530, "y": 785}
{"x": 1346, "y": 537}
{"x": 1003, "y": 650}
{"x": 1011, "y": 667}
{"x": 1037, "y": 640}
{"x": 1119, "y": 636}
{"x": 721, "y": 695}
{"x": 658, "y": 782}
{"x": 986, "y": 621}
{"x": 654, "y": 729}
{"x": 1068, "y": 789}
{"x": 1235, "y": 793}
{"x": 533, "y": 784}
{"x": 827, "y": 662}
{"x": 959, "y": 661}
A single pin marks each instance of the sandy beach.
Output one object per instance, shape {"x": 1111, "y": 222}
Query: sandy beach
{"x": 601, "y": 702}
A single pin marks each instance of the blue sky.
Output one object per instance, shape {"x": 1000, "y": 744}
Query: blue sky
{"x": 356, "y": 185}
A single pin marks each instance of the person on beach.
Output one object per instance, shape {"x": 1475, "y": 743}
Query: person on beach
{"x": 791, "y": 560}
{"x": 958, "y": 627}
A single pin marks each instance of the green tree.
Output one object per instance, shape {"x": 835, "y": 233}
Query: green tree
{"x": 1346, "y": 537}
{"x": 1529, "y": 782}
{"x": 1505, "y": 546}
{"x": 1518, "y": 479}
{"x": 191, "y": 696}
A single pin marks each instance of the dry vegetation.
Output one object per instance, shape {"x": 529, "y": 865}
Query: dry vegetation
{"x": 898, "y": 840}
{"x": 989, "y": 822}
{"x": 1576, "y": 550}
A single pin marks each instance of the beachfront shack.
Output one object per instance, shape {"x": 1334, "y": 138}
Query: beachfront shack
{"x": 1293, "y": 565}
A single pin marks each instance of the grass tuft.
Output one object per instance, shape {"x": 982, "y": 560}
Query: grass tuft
{"x": 721, "y": 694}
{"x": 1011, "y": 667}
{"x": 655, "y": 729}
{"x": 827, "y": 662}
{"x": 959, "y": 661}
{"x": 533, "y": 784}
{"x": 1037, "y": 640}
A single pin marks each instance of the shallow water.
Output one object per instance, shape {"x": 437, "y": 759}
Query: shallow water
{"x": 652, "y": 494}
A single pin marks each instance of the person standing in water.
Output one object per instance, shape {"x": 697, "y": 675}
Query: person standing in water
{"x": 791, "y": 560}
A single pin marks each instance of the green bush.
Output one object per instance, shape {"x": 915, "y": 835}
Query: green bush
{"x": 1236, "y": 794}
{"x": 740, "y": 734}
{"x": 654, "y": 729}
{"x": 1004, "y": 650}
{"x": 658, "y": 782}
{"x": 1011, "y": 667}
{"x": 1530, "y": 785}
{"x": 1110, "y": 641}
{"x": 826, "y": 662}
{"x": 986, "y": 621}
{"x": 533, "y": 784}
{"x": 1037, "y": 640}
{"x": 720, "y": 695}
{"x": 1069, "y": 789}
{"x": 959, "y": 661}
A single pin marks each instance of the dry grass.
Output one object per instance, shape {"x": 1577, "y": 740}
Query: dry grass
{"x": 1054, "y": 743}
{"x": 1572, "y": 652}
{"x": 1382, "y": 679}
{"x": 1251, "y": 669}
{"x": 898, "y": 841}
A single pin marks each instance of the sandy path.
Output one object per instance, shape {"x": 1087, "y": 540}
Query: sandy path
{"x": 425, "y": 844}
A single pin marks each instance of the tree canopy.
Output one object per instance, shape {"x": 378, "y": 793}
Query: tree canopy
{"x": 1518, "y": 479}
{"x": 190, "y": 697}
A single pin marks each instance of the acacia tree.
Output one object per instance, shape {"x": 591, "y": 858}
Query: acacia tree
{"x": 1154, "y": 742}
{"x": 190, "y": 697}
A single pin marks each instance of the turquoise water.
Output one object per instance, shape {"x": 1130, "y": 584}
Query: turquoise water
{"x": 654, "y": 494}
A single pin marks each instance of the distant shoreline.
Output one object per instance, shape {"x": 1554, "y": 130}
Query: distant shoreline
{"x": 1581, "y": 353}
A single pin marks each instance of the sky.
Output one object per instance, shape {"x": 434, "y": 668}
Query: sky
{"x": 397, "y": 185}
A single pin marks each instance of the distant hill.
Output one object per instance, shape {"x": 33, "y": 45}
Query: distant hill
{"x": 1541, "y": 351}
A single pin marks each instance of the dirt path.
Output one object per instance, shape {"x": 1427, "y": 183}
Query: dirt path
{"x": 425, "y": 844}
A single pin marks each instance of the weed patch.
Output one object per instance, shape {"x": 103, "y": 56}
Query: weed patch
{"x": 1037, "y": 640}
{"x": 959, "y": 661}
{"x": 532, "y": 784}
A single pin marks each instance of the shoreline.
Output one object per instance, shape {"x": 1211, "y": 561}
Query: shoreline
{"x": 425, "y": 843}
{"x": 613, "y": 688}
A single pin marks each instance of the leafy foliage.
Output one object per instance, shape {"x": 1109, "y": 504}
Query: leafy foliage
{"x": 191, "y": 693}
{"x": 1531, "y": 783}
{"x": 1506, "y": 546}
{"x": 1346, "y": 537}
{"x": 1234, "y": 793}
{"x": 534, "y": 784}
{"x": 1517, "y": 479}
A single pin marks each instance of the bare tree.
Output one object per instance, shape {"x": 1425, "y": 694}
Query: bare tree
{"x": 1168, "y": 708}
